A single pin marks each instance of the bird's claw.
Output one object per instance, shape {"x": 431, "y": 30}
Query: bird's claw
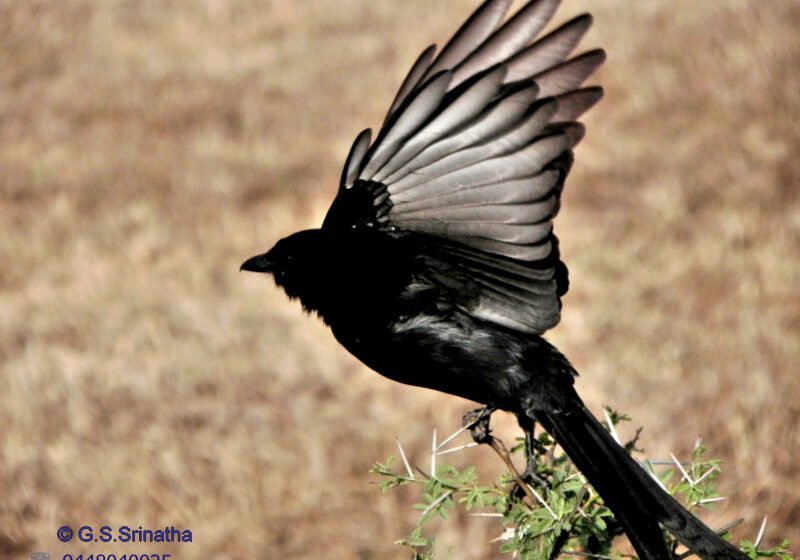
{"x": 478, "y": 423}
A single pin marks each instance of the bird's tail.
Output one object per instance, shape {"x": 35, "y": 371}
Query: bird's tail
{"x": 640, "y": 505}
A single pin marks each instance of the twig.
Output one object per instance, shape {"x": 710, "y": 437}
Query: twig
{"x": 501, "y": 450}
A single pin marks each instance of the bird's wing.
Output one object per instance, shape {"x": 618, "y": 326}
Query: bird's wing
{"x": 474, "y": 152}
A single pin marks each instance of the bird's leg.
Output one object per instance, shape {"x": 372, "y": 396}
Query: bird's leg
{"x": 478, "y": 423}
{"x": 528, "y": 426}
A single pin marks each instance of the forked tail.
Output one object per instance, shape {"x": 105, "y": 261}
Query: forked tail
{"x": 640, "y": 505}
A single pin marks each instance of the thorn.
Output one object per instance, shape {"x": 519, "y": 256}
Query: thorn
{"x": 648, "y": 468}
{"x": 761, "y": 532}
{"x": 683, "y": 471}
{"x": 541, "y": 501}
{"x": 705, "y": 474}
{"x": 433, "y": 453}
{"x": 452, "y": 436}
{"x": 404, "y": 458}
{"x": 507, "y": 534}
{"x": 611, "y": 428}
{"x": 436, "y": 502}
{"x": 486, "y": 514}
{"x": 712, "y": 500}
{"x": 459, "y": 448}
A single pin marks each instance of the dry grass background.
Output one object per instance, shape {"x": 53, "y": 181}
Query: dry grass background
{"x": 147, "y": 148}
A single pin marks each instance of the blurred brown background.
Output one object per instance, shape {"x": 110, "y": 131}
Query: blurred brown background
{"x": 147, "y": 148}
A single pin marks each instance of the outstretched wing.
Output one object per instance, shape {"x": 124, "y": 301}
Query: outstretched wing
{"x": 473, "y": 155}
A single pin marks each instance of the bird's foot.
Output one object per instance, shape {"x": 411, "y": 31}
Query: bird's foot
{"x": 530, "y": 476}
{"x": 477, "y": 421}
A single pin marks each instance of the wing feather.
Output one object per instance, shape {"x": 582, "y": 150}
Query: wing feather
{"x": 497, "y": 118}
{"x": 412, "y": 80}
{"x": 472, "y": 159}
{"x": 516, "y": 137}
{"x": 525, "y": 162}
{"x": 548, "y": 51}
{"x": 509, "y": 39}
{"x": 573, "y": 104}
{"x": 530, "y": 213}
{"x": 516, "y": 234}
{"x": 352, "y": 165}
{"x": 462, "y": 110}
{"x": 514, "y": 191}
{"x": 419, "y": 108}
{"x": 471, "y": 34}
{"x": 570, "y": 74}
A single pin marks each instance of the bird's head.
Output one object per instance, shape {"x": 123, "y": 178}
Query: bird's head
{"x": 293, "y": 261}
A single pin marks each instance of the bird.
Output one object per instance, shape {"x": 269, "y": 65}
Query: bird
{"x": 437, "y": 264}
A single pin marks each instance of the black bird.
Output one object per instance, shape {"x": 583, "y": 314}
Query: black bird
{"x": 437, "y": 264}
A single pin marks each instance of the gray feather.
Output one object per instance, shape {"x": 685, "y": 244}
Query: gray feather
{"x": 523, "y": 163}
{"x": 500, "y": 117}
{"x": 527, "y": 253}
{"x": 574, "y": 131}
{"x": 570, "y": 74}
{"x": 524, "y": 301}
{"x": 355, "y": 158}
{"x": 536, "y": 320}
{"x": 548, "y": 51}
{"x": 472, "y": 33}
{"x": 529, "y": 213}
{"x": 509, "y": 39}
{"x": 511, "y": 292}
{"x": 412, "y": 80}
{"x": 463, "y": 109}
{"x": 489, "y": 262}
{"x": 511, "y": 140}
{"x": 516, "y": 191}
{"x": 525, "y": 234}
{"x": 517, "y": 283}
{"x": 573, "y": 104}
{"x": 425, "y": 102}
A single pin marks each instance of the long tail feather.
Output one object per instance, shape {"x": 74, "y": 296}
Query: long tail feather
{"x": 638, "y": 502}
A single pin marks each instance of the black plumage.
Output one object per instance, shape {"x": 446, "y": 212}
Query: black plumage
{"x": 437, "y": 264}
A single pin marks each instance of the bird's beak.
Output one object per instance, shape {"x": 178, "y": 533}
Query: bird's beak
{"x": 259, "y": 263}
